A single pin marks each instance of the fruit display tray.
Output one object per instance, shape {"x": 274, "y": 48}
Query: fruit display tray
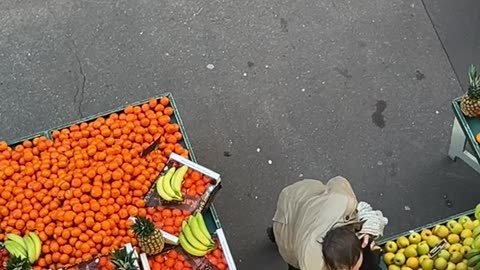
{"x": 210, "y": 215}
{"x": 470, "y": 126}
{"x": 381, "y": 242}
{"x": 201, "y": 263}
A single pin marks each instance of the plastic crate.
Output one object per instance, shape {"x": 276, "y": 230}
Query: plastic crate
{"x": 470, "y": 126}
{"x": 18, "y": 141}
{"x": 382, "y": 241}
{"x": 210, "y": 214}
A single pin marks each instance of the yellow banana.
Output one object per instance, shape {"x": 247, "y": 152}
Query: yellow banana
{"x": 187, "y": 232}
{"x": 203, "y": 227}
{"x": 197, "y": 232}
{"x": 15, "y": 249}
{"x": 38, "y": 244}
{"x": 189, "y": 248}
{"x": 177, "y": 180}
{"x": 31, "y": 250}
{"x": 17, "y": 239}
{"x": 161, "y": 191}
{"x": 167, "y": 184}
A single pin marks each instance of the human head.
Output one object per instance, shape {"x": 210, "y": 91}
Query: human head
{"x": 342, "y": 250}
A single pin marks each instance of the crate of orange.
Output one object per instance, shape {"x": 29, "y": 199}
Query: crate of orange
{"x": 126, "y": 256}
{"x": 178, "y": 259}
{"x": 85, "y": 179}
{"x": 183, "y": 185}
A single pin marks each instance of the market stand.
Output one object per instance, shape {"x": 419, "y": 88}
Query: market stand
{"x": 452, "y": 243}
{"x": 158, "y": 111}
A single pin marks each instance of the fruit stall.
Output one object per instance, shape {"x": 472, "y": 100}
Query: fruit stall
{"x": 448, "y": 244}
{"x": 452, "y": 243}
{"x": 116, "y": 190}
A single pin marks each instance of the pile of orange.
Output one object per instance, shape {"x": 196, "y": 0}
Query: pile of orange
{"x": 78, "y": 190}
{"x": 170, "y": 260}
{"x": 167, "y": 219}
{"x": 217, "y": 258}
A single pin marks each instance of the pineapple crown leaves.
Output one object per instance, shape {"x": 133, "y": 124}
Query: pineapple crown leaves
{"x": 143, "y": 227}
{"x": 17, "y": 263}
{"x": 123, "y": 260}
{"x": 474, "y": 80}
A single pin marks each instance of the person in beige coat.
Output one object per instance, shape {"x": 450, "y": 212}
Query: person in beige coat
{"x": 321, "y": 226}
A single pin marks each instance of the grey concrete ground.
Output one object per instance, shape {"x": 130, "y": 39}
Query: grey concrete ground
{"x": 299, "y": 89}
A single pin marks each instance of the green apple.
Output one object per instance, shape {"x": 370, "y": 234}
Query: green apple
{"x": 453, "y": 238}
{"x": 476, "y": 242}
{"x": 464, "y": 219}
{"x": 402, "y": 242}
{"x": 450, "y": 223}
{"x": 425, "y": 234}
{"x": 388, "y": 258}
{"x": 468, "y": 241}
{"x": 410, "y": 251}
{"x": 393, "y": 267}
{"x": 432, "y": 241}
{"x": 477, "y": 211}
{"x": 399, "y": 259}
{"x": 441, "y": 231}
{"x": 401, "y": 250}
{"x": 405, "y": 268}
{"x": 451, "y": 266}
{"x": 440, "y": 263}
{"x": 465, "y": 249}
{"x": 455, "y": 248}
{"x": 476, "y": 222}
{"x": 427, "y": 264}
{"x": 391, "y": 246}
{"x": 444, "y": 254}
{"x": 456, "y": 228}
{"x": 462, "y": 266}
{"x": 469, "y": 225}
{"x": 422, "y": 258}
{"x": 415, "y": 238}
{"x": 447, "y": 246}
{"x": 466, "y": 233}
{"x": 456, "y": 257}
{"x": 423, "y": 248}
{"x": 412, "y": 263}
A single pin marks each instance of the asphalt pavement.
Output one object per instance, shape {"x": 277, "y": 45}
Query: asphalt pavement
{"x": 293, "y": 90}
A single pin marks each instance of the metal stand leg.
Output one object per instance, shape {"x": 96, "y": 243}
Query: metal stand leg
{"x": 457, "y": 147}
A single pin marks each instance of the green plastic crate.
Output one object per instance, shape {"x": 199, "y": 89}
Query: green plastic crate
{"x": 470, "y": 126}
{"x": 210, "y": 215}
{"x": 18, "y": 141}
{"x": 381, "y": 242}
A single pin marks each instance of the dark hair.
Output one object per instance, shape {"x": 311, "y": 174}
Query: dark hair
{"x": 341, "y": 249}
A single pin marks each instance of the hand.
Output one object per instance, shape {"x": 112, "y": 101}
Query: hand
{"x": 365, "y": 239}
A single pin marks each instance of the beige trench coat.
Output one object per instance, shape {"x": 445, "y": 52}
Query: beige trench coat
{"x": 306, "y": 211}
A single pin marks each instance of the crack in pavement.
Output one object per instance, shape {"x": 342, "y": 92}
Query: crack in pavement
{"x": 80, "y": 91}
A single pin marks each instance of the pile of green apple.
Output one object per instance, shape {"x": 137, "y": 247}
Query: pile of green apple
{"x": 412, "y": 252}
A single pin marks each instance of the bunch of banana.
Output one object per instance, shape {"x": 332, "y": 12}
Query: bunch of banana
{"x": 473, "y": 259}
{"x": 195, "y": 238}
{"x": 169, "y": 185}
{"x": 28, "y": 246}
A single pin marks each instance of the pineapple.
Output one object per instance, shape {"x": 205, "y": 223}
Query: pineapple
{"x": 123, "y": 260}
{"x": 17, "y": 263}
{"x": 149, "y": 237}
{"x": 470, "y": 103}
